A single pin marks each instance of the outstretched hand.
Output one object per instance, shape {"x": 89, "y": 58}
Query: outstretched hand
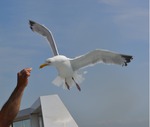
{"x": 22, "y": 77}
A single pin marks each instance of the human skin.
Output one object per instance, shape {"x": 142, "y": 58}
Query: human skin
{"x": 11, "y": 108}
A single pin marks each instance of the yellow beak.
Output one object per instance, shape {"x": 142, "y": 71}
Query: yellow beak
{"x": 43, "y": 65}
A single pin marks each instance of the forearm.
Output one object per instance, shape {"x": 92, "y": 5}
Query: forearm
{"x": 10, "y": 109}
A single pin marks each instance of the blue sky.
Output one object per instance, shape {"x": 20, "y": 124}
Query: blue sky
{"x": 111, "y": 96}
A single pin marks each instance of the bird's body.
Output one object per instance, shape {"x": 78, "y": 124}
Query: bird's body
{"x": 66, "y": 75}
{"x": 63, "y": 65}
{"x": 68, "y": 67}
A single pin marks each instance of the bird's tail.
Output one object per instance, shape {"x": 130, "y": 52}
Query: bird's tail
{"x": 59, "y": 81}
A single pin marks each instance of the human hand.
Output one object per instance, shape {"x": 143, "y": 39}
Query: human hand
{"x": 22, "y": 77}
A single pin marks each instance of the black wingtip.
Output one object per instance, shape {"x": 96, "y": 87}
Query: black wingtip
{"x": 127, "y": 59}
{"x": 31, "y": 23}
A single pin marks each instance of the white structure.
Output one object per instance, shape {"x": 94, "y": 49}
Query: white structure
{"x": 47, "y": 111}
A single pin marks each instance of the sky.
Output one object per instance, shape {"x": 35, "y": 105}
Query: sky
{"x": 111, "y": 95}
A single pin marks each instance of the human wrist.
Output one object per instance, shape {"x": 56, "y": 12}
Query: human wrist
{"x": 20, "y": 87}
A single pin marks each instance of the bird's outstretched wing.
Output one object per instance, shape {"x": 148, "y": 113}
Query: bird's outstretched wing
{"x": 100, "y": 56}
{"x": 42, "y": 30}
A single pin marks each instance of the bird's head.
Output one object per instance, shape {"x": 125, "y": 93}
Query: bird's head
{"x": 55, "y": 61}
{"x": 48, "y": 62}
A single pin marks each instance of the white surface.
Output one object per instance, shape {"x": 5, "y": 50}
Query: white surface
{"x": 54, "y": 112}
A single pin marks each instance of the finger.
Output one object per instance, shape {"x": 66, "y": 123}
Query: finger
{"x": 27, "y": 74}
{"x": 28, "y": 69}
{"x": 23, "y": 74}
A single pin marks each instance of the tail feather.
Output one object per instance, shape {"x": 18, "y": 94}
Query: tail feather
{"x": 59, "y": 81}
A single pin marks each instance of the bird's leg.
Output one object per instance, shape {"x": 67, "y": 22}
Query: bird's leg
{"x": 67, "y": 85}
{"x": 76, "y": 84}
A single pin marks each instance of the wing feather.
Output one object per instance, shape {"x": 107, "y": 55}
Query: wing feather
{"x": 100, "y": 56}
{"x": 42, "y": 30}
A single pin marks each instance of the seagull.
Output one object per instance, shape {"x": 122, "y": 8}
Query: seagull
{"x": 68, "y": 68}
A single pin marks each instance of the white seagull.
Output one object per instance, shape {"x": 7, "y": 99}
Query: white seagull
{"x": 68, "y": 74}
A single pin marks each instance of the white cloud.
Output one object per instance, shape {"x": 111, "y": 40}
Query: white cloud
{"x": 111, "y": 2}
{"x": 131, "y": 14}
{"x": 133, "y": 23}
{"x": 131, "y": 19}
